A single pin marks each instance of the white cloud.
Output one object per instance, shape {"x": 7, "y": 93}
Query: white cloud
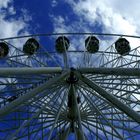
{"x": 113, "y": 16}
{"x": 54, "y": 3}
{"x": 11, "y": 27}
{"x": 25, "y": 15}
{"x": 59, "y": 24}
{"x": 12, "y": 10}
{"x": 4, "y": 3}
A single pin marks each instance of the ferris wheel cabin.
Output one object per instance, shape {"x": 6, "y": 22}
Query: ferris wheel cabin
{"x": 92, "y": 44}
{"x": 31, "y": 46}
{"x": 62, "y": 44}
{"x": 4, "y": 49}
{"x": 122, "y": 46}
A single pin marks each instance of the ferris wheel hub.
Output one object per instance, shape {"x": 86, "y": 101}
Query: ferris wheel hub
{"x": 72, "y": 79}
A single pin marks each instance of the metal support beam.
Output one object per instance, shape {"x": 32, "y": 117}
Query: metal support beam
{"x": 66, "y": 134}
{"x": 94, "y": 108}
{"x": 57, "y": 117}
{"x": 65, "y": 59}
{"x": 49, "y": 70}
{"x": 22, "y": 99}
{"x": 28, "y": 70}
{"x": 72, "y": 90}
{"x": 27, "y": 122}
{"x": 110, "y": 97}
{"x": 111, "y": 71}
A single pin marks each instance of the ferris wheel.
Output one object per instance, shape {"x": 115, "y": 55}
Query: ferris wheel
{"x": 54, "y": 92}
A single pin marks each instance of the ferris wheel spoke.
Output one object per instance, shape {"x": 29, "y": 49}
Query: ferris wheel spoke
{"x": 84, "y": 107}
{"x": 12, "y": 62}
{"x": 88, "y": 127}
{"x": 92, "y": 107}
{"x": 45, "y": 135}
{"x": 30, "y": 119}
{"x": 119, "y": 128}
{"x": 8, "y": 108}
{"x": 123, "y": 90}
{"x": 54, "y": 60}
{"x": 35, "y": 132}
{"x": 72, "y": 90}
{"x": 19, "y": 83}
{"x": 34, "y": 59}
{"x": 58, "y": 100}
{"x": 41, "y": 127}
{"x": 21, "y": 53}
{"x": 131, "y": 113}
{"x": 110, "y": 61}
{"x": 129, "y": 101}
{"x": 26, "y": 77}
{"x": 100, "y": 114}
{"x": 47, "y": 54}
{"x": 123, "y": 84}
{"x": 25, "y": 118}
{"x": 126, "y": 126}
{"x": 126, "y": 91}
{"x": 45, "y": 100}
{"x": 110, "y": 78}
{"x": 101, "y": 130}
{"x": 63, "y": 134}
{"x": 15, "y": 56}
{"x": 91, "y": 93}
{"x": 57, "y": 117}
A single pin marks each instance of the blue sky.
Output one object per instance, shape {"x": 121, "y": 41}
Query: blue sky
{"x": 20, "y": 17}
{"x": 47, "y": 16}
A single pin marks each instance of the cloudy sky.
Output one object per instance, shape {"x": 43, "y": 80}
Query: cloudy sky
{"x": 24, "y": 17}
{"x": 20, "y": 17}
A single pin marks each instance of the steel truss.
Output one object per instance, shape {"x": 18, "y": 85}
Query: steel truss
{"x": 43, "y": 97}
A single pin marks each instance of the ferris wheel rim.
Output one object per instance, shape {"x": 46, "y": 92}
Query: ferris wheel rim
{"x": 72, "y": 33}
